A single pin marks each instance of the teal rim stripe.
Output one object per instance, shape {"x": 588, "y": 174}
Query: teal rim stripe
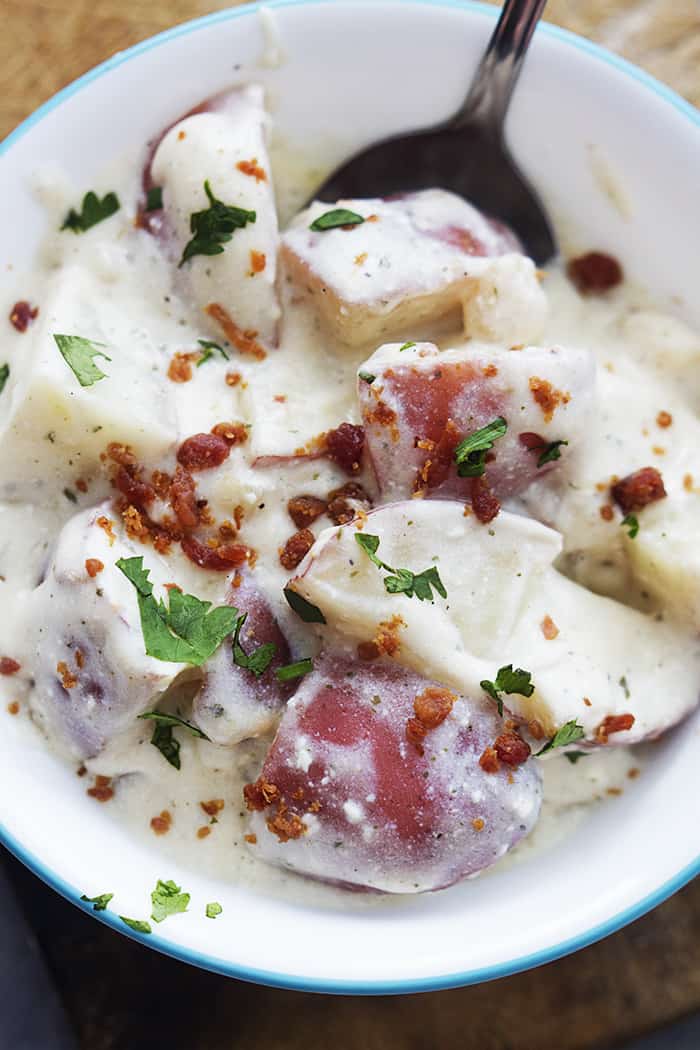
{"x": 302, "y": 982}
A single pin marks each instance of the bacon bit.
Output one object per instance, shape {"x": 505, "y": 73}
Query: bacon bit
{"x": 13, "y": 707}
{"x": 613, "y": 724}
{"x": 81, "y": 771}
{"x": 315, "y": 806}
{"x": 489, "y": 371}
{"x": 688, "y": 482}
{"x": 340, "y": 511}
{"x": 182, "y": 499}
{"x": 258, "y": 261}
{"x": 280, "y": 398}
{"x": 658, "y": 450}
{"x": 633, "y": 773}
{"x": 134, "y": 524}
{"x": 161, "y": 824}
{"x": 203, "y": 452}
{"x": 8, "y": 665}
{"x": 238, "y": 515}
{"x": 535, "y": 729}
{"x": 383, "y": 416}
{"x": 298, "y": 794}
{"x": 512, "y": 749}
{"x": 138, "y": 492}
{"x": 260, "y": 794}
{"x": 416, "y": 733}
{"x": 251, "y": 167}
{"x": 547, "y": 396}
{"x": 638, "y": 490}
{"x": 119, "y": 453}
{"x": 594, "y": 272}
{"x": 223, "y": 558}
{"x": 161, "y": 483}
{"x": 606, "y": 512}
{"x": 431, "y": 708}
{"x": 245, "y": 341}
{"x": 252, "y": 839}
{"x": 368, "y": 651}
{"x": 386, "y": 639}
{"x": 360, "y": 259}
{"x": 202, "y": 833}
{"x": 233, "y": 378}
{"x": 227, "y": 531}
{"x": 22, "y": 314}
{"x": 613, "y": 791}
{"x": 102, "y": 789}
{"x": 68, "y": 679}
{"x": 478, "y": 824}
{"x": 180, "y": 368}
{"x": 664, "y": 419}
{"x": 107, "y": 526}
{"x": 296, "y": 547}
{"x": 213, "y": 806}
{"x": 436, "y": 469}
{"x": 79, "y": 659}
{"x": 304, "y": 510}
{"x": 344, "y": 445}
{"x": 285, "y": 824}
{"x": 489, "y": 761}
{"x": 372, "y": 218}
{"x": 467, "y": 511}
{"x": 237, "y": 579}
{"x": 587, "y": 702}
{"x": 549, "y": 628}
{"x": 484, "y": 503}
{"x": 81, "y": 485}
{"x": 181, "y": 135}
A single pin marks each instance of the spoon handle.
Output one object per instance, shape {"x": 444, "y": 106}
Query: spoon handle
{"x": 487, "y": 101}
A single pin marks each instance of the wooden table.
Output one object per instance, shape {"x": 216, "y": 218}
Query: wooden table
{"x": 121, "y": 996}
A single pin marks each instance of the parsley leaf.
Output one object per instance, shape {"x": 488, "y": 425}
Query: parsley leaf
{"x": 98, "y": 903}
{"x": 573, "y": 756}
{"x": 164, "y": 718}
{"x": 569, "y": 733}
{"x": 213, "y": 909}
{"x": 470, "y": 454}
{"x": 208, "y": 348}
{"x": 508, "y": 681}
{"x": 260, "y": 659}
{"x": 406, "y": 346}
{"x": 78, "y": 353}
{"x": 167, "y": 743}
{"x": 168, "y": 899}
{"x": 70, "y": 495}
{"x": 4, "y": 376}
{"x": 93, "y": 210}
{"x": 305, "y": 610}
{"x": 185, "y": 632}
{"x": 366, "y": 377}
{"x": 214, "y": 226}
{"x": 403, "y": 581}
{"x": 337, "y": 217}
{"x": 632, "y": 523}
{"x": 154, "y": 199}
{"x": 136, "y": 924}
{"x": 551, "y": 452}
{"x": 295, "y": 670}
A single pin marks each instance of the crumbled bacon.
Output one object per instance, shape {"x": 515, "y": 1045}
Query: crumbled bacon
{"x": 431, "y": 708}
{"x": 68, "y": 679}
{"x": 162, "y": 823}
{"x": 606, "y": 512}
{"x": 102, "y": 789}
{"x": 664, "y": 419}
{"x": 260, "y": 794}
{"x": 478, "y": 824}
{"x": 22, "y": 314}
{"x": 296, "y": 547}
{"x": 135, "y": 524}
{"x": 613, "y": 724}
{"x": 436, "y": 468}
{"x": 137, "y": 491}
{"x": 251, "y": 838}
{"x": 285, "y": 824}
{"x": 638, "y": 490}
{"x": 203, "y": 833}
{"x": 107, "y": 526}
{"x": 512, "y": 749}
{"x": 304, "y": 510}
{"x": 251, "y": 167}
{"x": 13, "y": 707}
{"x": 119, "y": 453}
{"x": 203, "y": 452}
{"x": 161, "y": 483}
{"x": 344, "y": 445}
{"x": 180, "y": 368}
{"x": 81, "y": 485}
{"x": 8, "y": 665}
{"x": 387, "y": 637}
{"x": 245, "y": 341}
{"x": 549, "y": 628}
{"x": 258, "y": 262}
{"x": 233, "y": 378}
{"x": 594, "y": 272}
{"x": 231, "y": 433}
{"x": 340, "y": 510}
{"x": 223, "y": 558}
{"x": 368, "y": 651}
{"x": 213, "y": 806}
{"x": 183, "y": 499}
{"x": 489, "y": 761}
{"x": 484, "y": 503}
{"x": 547, "y": 396}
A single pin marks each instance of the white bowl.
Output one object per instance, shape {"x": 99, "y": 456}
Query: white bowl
{"x": 352, "y": 72}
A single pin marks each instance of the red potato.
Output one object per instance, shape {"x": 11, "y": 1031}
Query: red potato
{"x": 418, "y": 403}
{"x": 235, "y": 704}
{"x": 349, "y": 793}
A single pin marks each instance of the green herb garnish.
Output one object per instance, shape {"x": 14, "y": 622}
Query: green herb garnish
{"x": 208, "y": 348}
{"x": 140, "y": 925}
{"x": 213, "y": 909}
{"x": 508, "y": 681}
{"x": 93, "y": 211}
{"x": 403, "y": 581}
{"x": 168, "y": 899}
{"x": 70, "y": 495}
{"x": 623, "y": 683}
{"x": 184, "y": 632}
{"x": 632, "y": 523}
{"x": 214, "y": 226}
{"x": 259, "y": 659}
{"x": 154, "y": 199}
{"x": 406, "y": 346}
{"x": 366, "y": 377}
{"x": 98, "y": 903}
{"x": 470, "y": 454}
{"x": 163, "y": 737}
{"x": 569, "y": 733}
{"x": 79, "y": 354}
{"x": 573, "y": 756}
{"x": 295, "y": 670}
{"x": 4, "y": 376}
{"x": 551, "y": 452}
{"x": 305, "y": 610}
{"x": 337, "y": 217}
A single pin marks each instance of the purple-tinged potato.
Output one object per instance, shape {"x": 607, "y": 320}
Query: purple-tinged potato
{"x": 234, "y": 703}
{"x": 358, "y": 790}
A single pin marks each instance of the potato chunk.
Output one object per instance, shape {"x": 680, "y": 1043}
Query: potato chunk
{"x": 224, "y": 143}
{"x": 590, "y": 658}
{"x": 416, "y": 259}
{"x": 418, "y": 403}
{"x": 345, "y": 795}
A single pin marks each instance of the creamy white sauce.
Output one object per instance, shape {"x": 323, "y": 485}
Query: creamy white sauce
{"x": 113, "y": 284}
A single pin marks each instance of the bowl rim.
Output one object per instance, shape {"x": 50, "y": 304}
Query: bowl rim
{"x": 272, "y": 978}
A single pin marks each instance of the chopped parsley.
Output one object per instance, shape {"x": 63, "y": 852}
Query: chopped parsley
{"x": 70, "y": 495}
{"x": 168, "y": 899}
{"x": 93, "y": 210}
{"x": 98, "y": 903}
{"x": 550, "y": 452}
{"x": 295, "y": 670}
{"x": 573, "y": 756}
{"x": 337, "y": 217}
{"x": 406, "y": 346}
{"x": 163, "y": 737}
{"x": 305, "y": 610}
{"x": 213, "y": 909}
{"x": 214, "y": 226}
{"x": 208, "y": 348}
{"x": 139, "y": 925}
{"x": 470, "y": 454}
{"x": 184, "y": 632}
{"x": 508, "y": 681}
{"x": 632, "y": 523}
{"x": 623, "y": 683}
{"x": 366, "y": 377}
{"x": 4, "y": 376}
{"x": 79, "y": 354}
{"x": 154, "y": 199}
{"x": 259, "y": 659}
{"x": 569, "y": 733}
{"x": 403, "y": 581}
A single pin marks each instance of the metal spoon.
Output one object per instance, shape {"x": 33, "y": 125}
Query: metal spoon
{"x": 468, "y": 153}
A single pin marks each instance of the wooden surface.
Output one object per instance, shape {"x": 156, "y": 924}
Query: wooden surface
{"x": 121, "y": 996}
